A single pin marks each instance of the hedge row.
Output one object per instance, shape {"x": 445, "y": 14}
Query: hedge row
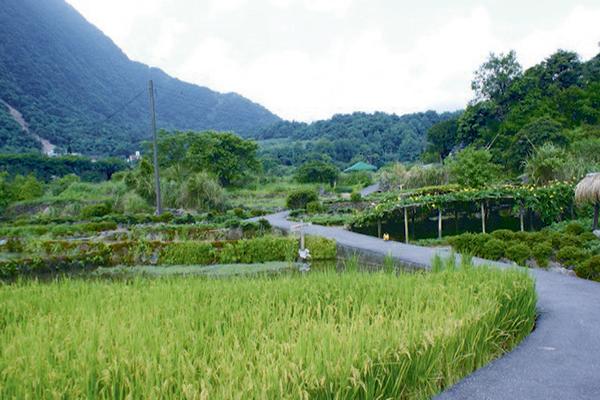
{"x": 573, "y": 247}
{"x": 67, "y": 256}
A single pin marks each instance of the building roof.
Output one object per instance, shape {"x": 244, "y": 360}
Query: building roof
{"x": 361, "y": 166}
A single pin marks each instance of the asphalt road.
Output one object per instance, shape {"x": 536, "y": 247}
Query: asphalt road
{"x": 559, "y": 360}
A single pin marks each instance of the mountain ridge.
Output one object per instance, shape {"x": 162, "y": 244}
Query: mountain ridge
{"x": 66, "y": 77}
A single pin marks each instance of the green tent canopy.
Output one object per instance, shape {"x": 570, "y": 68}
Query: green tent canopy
{"x": 361, "y": 166}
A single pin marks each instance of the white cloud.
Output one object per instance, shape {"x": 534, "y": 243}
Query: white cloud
{"x": 308, "y": 59}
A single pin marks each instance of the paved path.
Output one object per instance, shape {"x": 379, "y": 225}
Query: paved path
{"x": 559, "y": 360}
{"x": 369, "y": 190}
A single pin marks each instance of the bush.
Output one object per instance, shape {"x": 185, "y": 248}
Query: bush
{"x": 469, "y": 243}
{"x": 298, "y": 199}
{"x": 571, "y": 255}
{"x": 96, "y": 210}
{"x": 518, "y": 252}
{"x": 588, "y": 237}
{"x": 202, "y": 192}
{"x": 574, "y": 228}
{"x": 590, "y": 269}
{"x": 542, "y": 253}
{"x": 356, "y": 197}
{"x": 493, "y": 249}
{"x": 566, "y": 240}
{"x": 186, "y": 253}
{"x": 133, "y": 203}
{"x": 263, "y": 249}
{"x": 505, "y": 235}
{"x": 317, "y": 172}
{"x": 321, "y": 248}
{"x": 314, "y": 207}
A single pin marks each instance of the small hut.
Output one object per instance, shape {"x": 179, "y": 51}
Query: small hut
{"x": 588, "y": 191}
{"x": 361, "y": 167}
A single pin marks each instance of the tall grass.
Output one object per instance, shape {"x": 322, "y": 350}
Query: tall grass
{"x": 325, "y": 335}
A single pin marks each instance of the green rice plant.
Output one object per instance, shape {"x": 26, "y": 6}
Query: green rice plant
{"x": 321, "y": 335}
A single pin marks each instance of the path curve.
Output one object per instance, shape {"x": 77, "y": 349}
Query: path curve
{"x": 559, "y": 360}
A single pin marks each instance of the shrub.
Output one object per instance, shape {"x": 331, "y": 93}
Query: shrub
{"x": 298, "y": 199}
{"x": 133, "y": 203}
{"x": 574, "y": 228}
{"x": 588, "y": 237}
{"x": 566, "y": 240}
{"x": 263, "y": 249}
{"x": 518, "y": 252}
{"x": 202, "y": 192}
{"x": 186, "y": 253}
{"x": 96, "y": 210}
{"x": 493, "y": 249}
{"x": 542, "y": 253}
{"x": 317, "y": 172}
{"x": 321, "y": 248}
{"x": 589, "y": 269}
{"x": 314, "y": 207}
{"x": 504, "y": 235}
{"x": 356, "y": 197}
{"x": 469, "y": 243}
{"x": 571, "y": 255}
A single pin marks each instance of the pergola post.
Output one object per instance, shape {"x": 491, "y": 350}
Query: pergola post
{"x": 596, "y": 213}
{"x": 522, "y": 218}
{"x": 483, "y": 217}
{"x": 405, "y": 225}
{"x": 440, "y": 223}
{"x": 379, "y": 229}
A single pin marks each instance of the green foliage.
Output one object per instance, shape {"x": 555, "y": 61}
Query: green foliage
{"x": 442, "y": 138}
{"x": 47, "y": 168}
{"x": 546, "y": 165}
{"x": 493, "y": 250}
{"x": 267, "y": 248}
{"x": 356, "y": 197}
{"x": 321, "y": 248}
{"x": 228, "y": 157}
{"x": 133, "y": 203}
{"x": 299, "y": 199}
{"x": 575, "y": 228}
{"x": 24, "y": 188}
{"x": 589, "y": 269}
{"x": 59, "y": 185}
{"x": 571, "y": 255}
{"x": 494, "y": 78}
{"x": 96, "y": 210}
{"x": 518, "y": 252}
{"x": 473, "y": 168}
{"x": 397, "y": 176}
{"x": 201, "y": 192}
{"x": 377, "y": 138}
{"x": 314, "y": 207}
{"x": 358, "y": 178}
{"x": 541, "y": 253}
{"x": 317, "y": 172}
{"x": 187, "y": 253}
{"x": 504, "y": 235}
{"x": 71, "y": 83}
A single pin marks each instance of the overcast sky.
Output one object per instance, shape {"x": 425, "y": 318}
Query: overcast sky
{"x": 309, "y": 59}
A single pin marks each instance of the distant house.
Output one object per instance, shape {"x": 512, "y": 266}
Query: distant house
{"x": 361, "y": 167}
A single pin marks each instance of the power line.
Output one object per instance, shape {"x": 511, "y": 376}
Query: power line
{"x": 122, "y": 107}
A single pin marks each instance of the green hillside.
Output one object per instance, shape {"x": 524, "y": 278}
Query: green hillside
{"x": 68, "y": 79}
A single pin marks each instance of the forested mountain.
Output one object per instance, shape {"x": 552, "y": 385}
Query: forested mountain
{"x": 68, "y": 80}
{"x": 515, "y": 112}
{"x": 377, "y": 138}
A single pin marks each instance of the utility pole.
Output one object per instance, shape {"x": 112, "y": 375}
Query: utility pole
{"x": 155, "y": 145}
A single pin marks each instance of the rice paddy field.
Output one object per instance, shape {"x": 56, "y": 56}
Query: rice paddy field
{"x": 323, "y": 335}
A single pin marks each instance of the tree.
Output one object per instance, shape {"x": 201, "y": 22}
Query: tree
{"x": 317, "y": 172}
{"x": 546, "y": 164}
{"x": 536, "y": 133}
{"x": 442, "y": 137}
{"x": 494, "y": 77}
{"x": 26, "y": 188}
{"x": 473, "y": 168}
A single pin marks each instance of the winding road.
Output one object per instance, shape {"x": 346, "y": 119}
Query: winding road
{"x": 559, "y": 360}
